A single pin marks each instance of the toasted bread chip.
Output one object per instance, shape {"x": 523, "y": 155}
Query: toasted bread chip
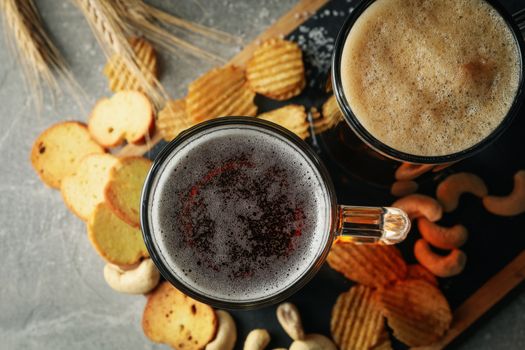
{"x": 332, "y": 115}
{"x": 84, "y": 189}
{"x": 418, "y": 272}
{"x": 172, "y": 119}
{"x": 276, "y": 69}
{"x": 58, "y": 150}
{"x": 371, "y": 265}
{"x": 218, "y": 93}
{"x": 123, "y": 190}
{"x": 119, "y": 76}
{"x": 357, "y": 322}
{"x": 417, "y": 312}
{"x": 126, "y": 116}
{"x": 113, "y": 239}
{"x": 172, "y": 318}
{"x": 291, "y": 117}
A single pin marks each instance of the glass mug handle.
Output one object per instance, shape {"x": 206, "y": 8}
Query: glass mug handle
{"x": 384, "y": 225}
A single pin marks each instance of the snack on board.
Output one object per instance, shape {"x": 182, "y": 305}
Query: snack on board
{"x": 419, "y": 205}
{"x": 218, "y": 93}
{"x": 384, "y": 342}
{"x": 113, "y": 239}
{"x": 419, "y": 272}
{"x": 123, "y": 190}
{"x": 291, "y": 117}
{"x": 226, "y": 332}
{"x": 58, "y": 150}
{"x": 440, "y": 236}
{"x": 119, "y": 76}
{"x": 371, "y": 265}
{"x": 290, "y": 319}
{"x": 84, "y": 188}
{"x": 512, "y": 204}
{"x": 417, "y": 312}
{"x": 257, "y": 339}
{"x": 173, "y": 318}
{"x": 409, "y": 171}
{"x": 313, "y": 342}
{"x": 332, "y": 115}
{"x": 403, "y": 188}
{"x": 357, "y": 322}
{"x": 139, "y": 280}
{"x": 440, "y": 265}
{"x": 276, "y": 69}
{"x": 450, "y": 189}
{"x": 172, "y": 119}
{"x": 126, "y": 116}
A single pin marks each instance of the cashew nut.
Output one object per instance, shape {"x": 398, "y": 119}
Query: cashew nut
{"x": 403, "y": 188}
{"x": 313, "y": 342}
{"x": 450, "y": 189}
{"x": 140, "y": 280}
{"x": 226, "y": 333}
{"x": 442, "y": 237}
{"x": 289, "y": 318}
{"x": 408, "y": 171}
{"x": 442, "y": 266}
{"x": 513, "y": 204}
{"x": 257, "y": 339}
{"x": 417, "y": 205}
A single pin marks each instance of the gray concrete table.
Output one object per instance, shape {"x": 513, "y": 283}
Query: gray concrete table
{"x": 52, "y": 292}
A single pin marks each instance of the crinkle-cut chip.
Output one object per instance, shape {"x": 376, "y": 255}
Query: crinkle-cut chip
{"x": 121, "y": 78}
{"x": 172, "y": 119}
{"x": 291, "y": 117}
{"x": 417, "y": 312}
{"x": 332, "y": 116}
{"x": 357, "y": 322}
{"x": 84, "y": 189}
{"x": 113, "y": 239}
{"x": 383, "y": 342}
{"x": 218, "y": 93}
{"x": 371, "y": 265}
{"x": 173, "y": 318}
{"x": 124, "y": 188}
{"x": 418, "y": 272}
{"x": 276, "y": 69}
{"x": 58, "y": 150}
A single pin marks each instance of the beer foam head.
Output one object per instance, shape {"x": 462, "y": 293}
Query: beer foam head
{"x": 268, "y": 182}
{"x": 432, "y": 77}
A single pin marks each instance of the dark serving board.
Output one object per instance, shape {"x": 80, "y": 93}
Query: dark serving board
{"x": 494, "y": 241}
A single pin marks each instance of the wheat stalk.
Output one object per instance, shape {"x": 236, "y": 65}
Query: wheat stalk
{"x": 35, "y": 51}
{"x": 110, "y": 29}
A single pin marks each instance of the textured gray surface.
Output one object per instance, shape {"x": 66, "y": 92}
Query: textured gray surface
{"x": 52, "y": 293}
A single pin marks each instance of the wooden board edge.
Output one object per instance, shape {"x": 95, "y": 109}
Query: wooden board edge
{"x": 286, "y": 24}
{"x": 482, "y": 300}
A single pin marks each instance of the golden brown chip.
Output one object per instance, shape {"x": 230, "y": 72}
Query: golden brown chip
{"x": 172, "y": 119}
{"x": 291, "y": 117}
{"x": 357, "y": 322}
{"x": 218, "y": 93}
{"x": 276, "y": 69}
{"x": 332, "y": 115}
{"x": 417, "y": 312}
{"x": 383, "y": 342}
{"x": 119, "y": 76}
{"x": 371, "y": 265}
{"x": 173, "y": 318}
{"x": 418, "y": 272}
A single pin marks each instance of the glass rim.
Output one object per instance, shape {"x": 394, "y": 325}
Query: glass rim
{"x": 156, "y": 256}
{"x": 390, "y": 152}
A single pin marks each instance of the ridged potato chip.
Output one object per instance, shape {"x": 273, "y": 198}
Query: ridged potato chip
{"x": 172, "y": 119}
{"x": 276, "y": 69}
{"x": 332, "y": 115}
{"x": 371, "y": 265}
{"x": 357, "y": 322}
{"x": 384, "y": 342}
{"x": 291, "y": 117}
{"x": 218, "y": 93}
{"x": 418, "y": 272}
{"x": 417, "y": 312}
{"x": 119, "y": 76}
